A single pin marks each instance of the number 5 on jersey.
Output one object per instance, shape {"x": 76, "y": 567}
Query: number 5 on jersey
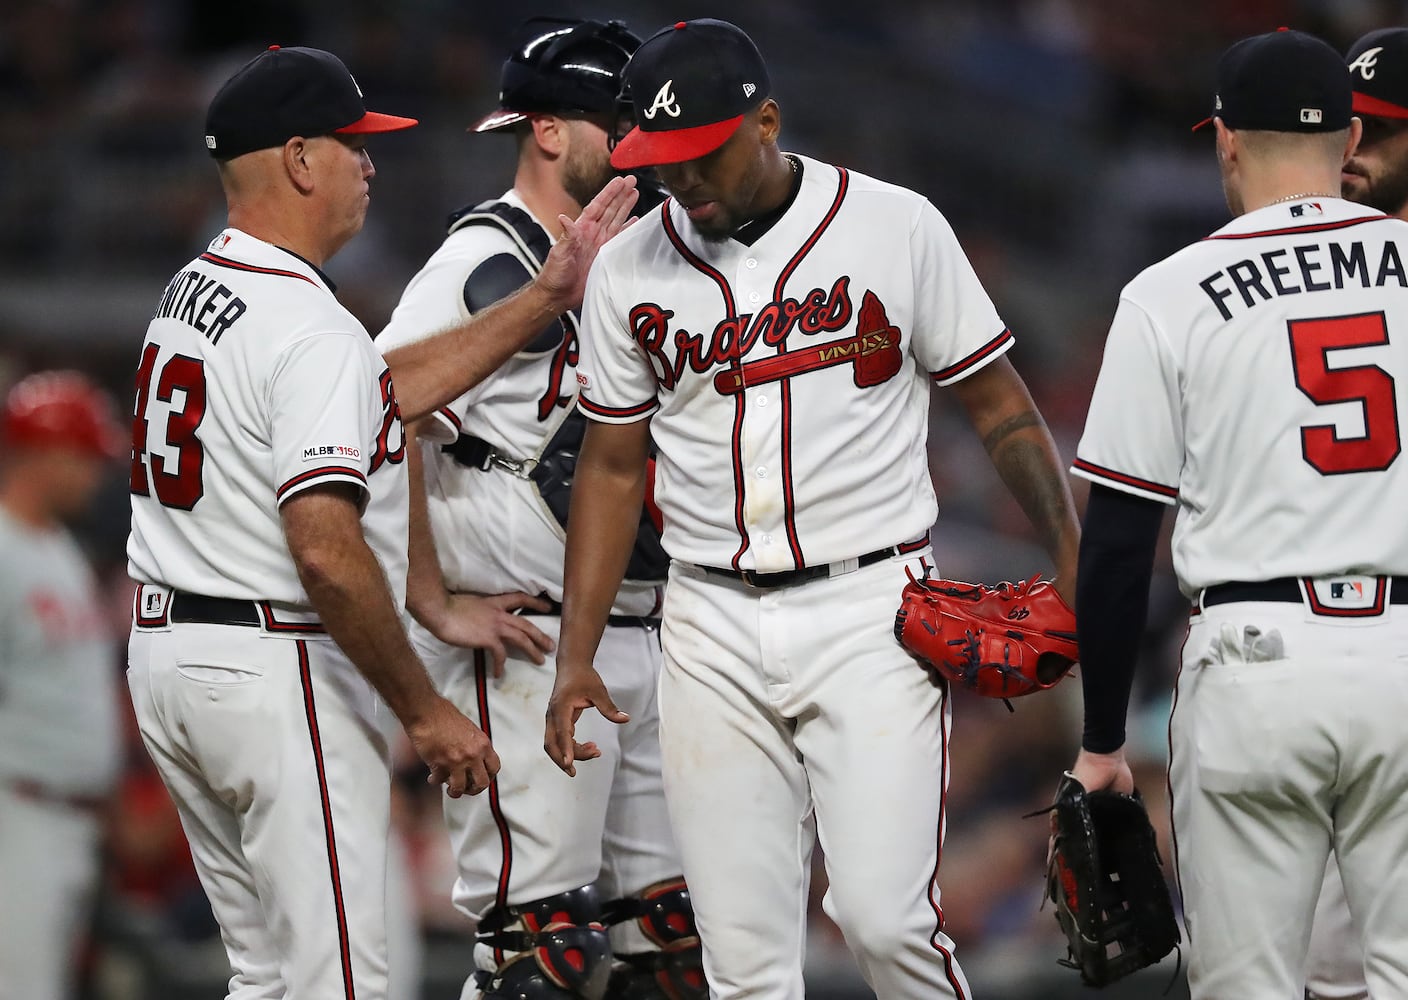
{"x": 1370, "y": 386}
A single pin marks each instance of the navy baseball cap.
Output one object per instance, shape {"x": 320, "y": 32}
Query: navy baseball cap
{"x": 281, "y": 93}
{"x": 561, "y": 64}
{"x": 1282, "y": 81}
{"x": 690, "y": 84}
{"x": 1378, "y": 71}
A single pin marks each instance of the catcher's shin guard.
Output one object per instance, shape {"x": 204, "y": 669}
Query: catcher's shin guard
{"x": 549, "y": 949}
{"x": 676, "y": 970}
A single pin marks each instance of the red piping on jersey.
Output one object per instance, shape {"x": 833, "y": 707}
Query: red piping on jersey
{"x": 612, "y": 411}
{"x": 972, "y": 359}
{"x": 738, "y": 405}
{"x": 1120, "y": 477}
{"x": 310, "y": 709}
{"x": 1317, "y": 228}
{"x": 939, "y": 854}
{"x": 449, "y": 415}
{"x": 481, "y": 691}
{"x": 328, "y": 470}
{"x": 253, "y": 269}
{"x": 789, "y": 493}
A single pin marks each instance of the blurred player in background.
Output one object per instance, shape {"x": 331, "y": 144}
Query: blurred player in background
{"x": 59, "y": 741}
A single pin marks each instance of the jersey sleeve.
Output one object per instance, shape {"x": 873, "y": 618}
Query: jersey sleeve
{"x": 957, "y": 328}
{"x": 615, "y": 382}
{"x": 320, "y": 413}
{"x": 432, "y": 303}
{"x": 1133, "y": 439}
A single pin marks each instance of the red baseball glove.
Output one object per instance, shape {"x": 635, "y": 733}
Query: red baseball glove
{"x": 1001, "y": 642}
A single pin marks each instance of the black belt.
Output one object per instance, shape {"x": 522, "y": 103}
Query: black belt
{"x": 792, "y": 577}
{"x": 1286, "y": 590}
{"x": 199, "y": 609}
{"x": 615, "y": 621}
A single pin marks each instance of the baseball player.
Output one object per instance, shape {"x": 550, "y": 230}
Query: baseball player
{"x": 59, "y": 744}
{"x": 1252, "y": 381}
{"x": 269, "y": 497}
{"x": 777, "y": 327}
{"x": 1377, "y": 176}
{"x": 595, "y": 856}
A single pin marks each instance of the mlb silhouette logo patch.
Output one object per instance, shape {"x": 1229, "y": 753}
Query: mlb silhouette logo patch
{"x": 1350, "y": 595}
{"x": 1311, "y": 116}
{"x": 1346, "y": 590}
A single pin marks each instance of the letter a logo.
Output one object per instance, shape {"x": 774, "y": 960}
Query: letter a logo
{"x": 664, "y": 101}
{"x": 1365, "y": 62}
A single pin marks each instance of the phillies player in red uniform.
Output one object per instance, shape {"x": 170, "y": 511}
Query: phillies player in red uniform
{"x": 59, "y": 748}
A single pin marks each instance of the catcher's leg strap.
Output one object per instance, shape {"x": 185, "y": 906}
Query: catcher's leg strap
{"x": 547, "y": 949}
{"x": 674, "y": 972}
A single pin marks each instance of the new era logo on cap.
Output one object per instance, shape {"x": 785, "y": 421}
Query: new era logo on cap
{"x": 691, "y": 85}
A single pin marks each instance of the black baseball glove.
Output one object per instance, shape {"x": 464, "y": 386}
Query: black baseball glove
{"x": 1107, "y": 882}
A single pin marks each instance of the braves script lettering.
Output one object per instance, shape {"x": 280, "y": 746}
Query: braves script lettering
{"x": 670, "y": 351}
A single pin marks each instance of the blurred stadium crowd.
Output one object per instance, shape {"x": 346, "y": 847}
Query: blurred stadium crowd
{"x": 1054, "y": 134}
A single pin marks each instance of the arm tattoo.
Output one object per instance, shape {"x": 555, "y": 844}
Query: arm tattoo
{"x": 1031, "y": 468}
{"x": 995, "y": 436}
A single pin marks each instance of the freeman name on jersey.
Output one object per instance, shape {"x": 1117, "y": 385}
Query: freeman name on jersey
{"x": 1312, "y": 267}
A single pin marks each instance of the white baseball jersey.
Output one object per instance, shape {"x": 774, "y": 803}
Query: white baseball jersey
{"x": 537, "y": 832}
{"x": 255, "y": 384}
{"x": 1285, "y": 473}
{"x": 839, "y": 317}
{"x": 59, "y": 746}
{"x": 493, "y": 533}
{"x": 1253, "y": 379}
{"x": 788, "y": 384}
{"x": 58, "y": 683}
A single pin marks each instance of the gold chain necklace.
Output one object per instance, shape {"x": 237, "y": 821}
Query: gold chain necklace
{"x": 1299, "y": 197}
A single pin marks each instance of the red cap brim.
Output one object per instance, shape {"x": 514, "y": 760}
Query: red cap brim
{"x": 1202, "y": 124}
{"x": 374, "y": 121}
{"x": 650, "y": 149}
{"x": 1378, "y": 108}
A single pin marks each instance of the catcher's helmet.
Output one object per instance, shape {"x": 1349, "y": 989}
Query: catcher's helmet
{"x": 561, "y": 64}
{"x": 60, "y": 409}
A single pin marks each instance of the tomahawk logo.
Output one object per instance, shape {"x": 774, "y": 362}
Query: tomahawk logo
{"x": 1365, "y": 62}
{"x": 664, "y": 101}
